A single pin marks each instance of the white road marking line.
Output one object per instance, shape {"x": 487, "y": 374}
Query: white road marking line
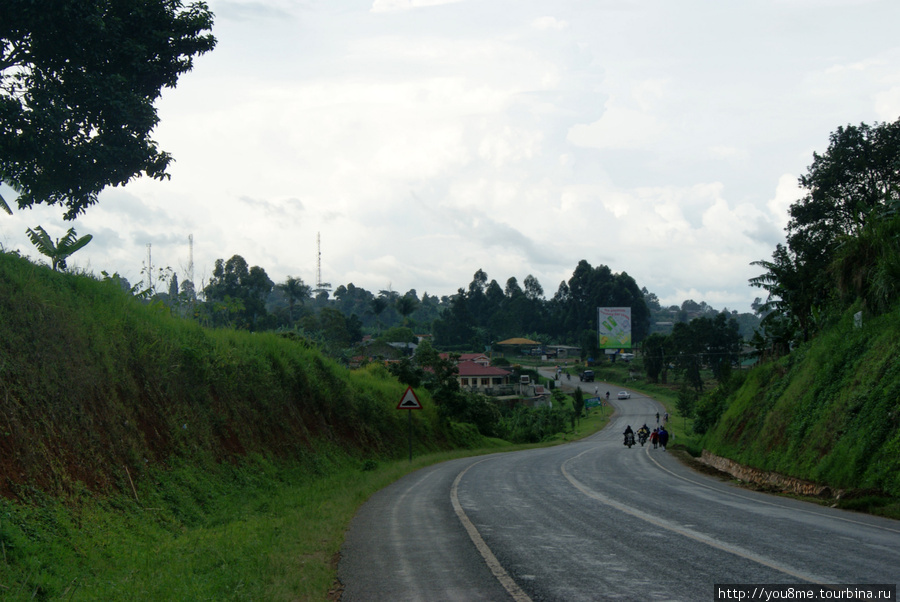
{"x": 744, "y": 497}
{"x": 496, "y": 568}
{"x": 686, "y": 532}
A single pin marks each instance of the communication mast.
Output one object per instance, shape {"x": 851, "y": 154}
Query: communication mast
{"x": 190, "y": 268}
{"x": 149, "y": 268}
{"x": 321, "y": 287}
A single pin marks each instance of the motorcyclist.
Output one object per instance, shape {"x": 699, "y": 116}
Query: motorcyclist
{"x": 643, "y": 433}
{"x": 628, "y": 433}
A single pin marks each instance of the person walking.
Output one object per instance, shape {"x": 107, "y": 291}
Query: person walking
{"x": 663, "y": 438}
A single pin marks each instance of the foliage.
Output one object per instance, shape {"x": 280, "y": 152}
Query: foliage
{"x": 295, "y": 290}
{"x": 118, "y": 384}
{"x": 78, "y": 81}
{"x": 687, "y": 400}
{"x": 827, "y": 412}
{"x": 867, "y": 266}
{"x": 703, "y": 342}
{"x": 840, "y": 237}
{"x": 533, "y": 425}
{"x": 656, "y": 357}
{"x": 578, "y": 401}
{"x": 237, "y": 294}
{"x": 62, "y": 249}
{"x": 485, "y": 312}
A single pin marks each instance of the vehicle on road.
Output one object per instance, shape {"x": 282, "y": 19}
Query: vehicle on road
{"x": 587, "y": 376}
{"x": 629, "y": 439}
{"x": 624, "y": 395}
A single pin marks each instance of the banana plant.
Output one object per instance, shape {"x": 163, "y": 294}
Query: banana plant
{"x": 57, "y": 252}
{"x": 3, "y": 204}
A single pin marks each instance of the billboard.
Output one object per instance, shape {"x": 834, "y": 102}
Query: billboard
{"x": 614, "y": 327}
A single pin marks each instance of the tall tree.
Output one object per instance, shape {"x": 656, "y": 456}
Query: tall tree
{"x": 295, "y": 290}
{"x": 242, "y": 288}
{"x": 533, "y": 288}
{"x": 78, "y": 82}
{"x": 855, "y": 182}
{"x": 406, "y": 305}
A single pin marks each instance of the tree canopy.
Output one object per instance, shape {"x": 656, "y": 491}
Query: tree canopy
{"x": 841, "y": 237}
{"x": 240, "y": 292}
{"x": 78, "y": 82}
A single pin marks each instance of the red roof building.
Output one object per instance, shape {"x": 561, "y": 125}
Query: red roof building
{"x": 476, "y": 376}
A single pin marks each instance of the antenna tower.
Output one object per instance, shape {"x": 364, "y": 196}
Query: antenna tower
{"x": 190, "y": 268}
{"x": 149, "y": 268}
{"x": 320, "y": 286}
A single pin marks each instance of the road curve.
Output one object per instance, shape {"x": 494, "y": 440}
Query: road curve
{"x": 594, "y": 520}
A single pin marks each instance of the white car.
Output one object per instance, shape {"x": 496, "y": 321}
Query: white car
{"x": 624, "y": 395}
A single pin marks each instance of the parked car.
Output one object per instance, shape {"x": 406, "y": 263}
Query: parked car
{"x": 624, "y": 395}
{"x": 587, "y": 376}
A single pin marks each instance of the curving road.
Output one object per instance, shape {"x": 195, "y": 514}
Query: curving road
{"x": 593, "y": 520}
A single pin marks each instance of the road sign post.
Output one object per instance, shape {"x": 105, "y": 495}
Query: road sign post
{"x": 410, "y": 402}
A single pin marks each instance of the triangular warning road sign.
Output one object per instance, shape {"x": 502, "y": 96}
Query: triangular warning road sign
{"x": 409, "y": 401}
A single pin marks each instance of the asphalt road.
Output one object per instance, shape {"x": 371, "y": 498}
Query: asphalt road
{"x": 594, "y": 520}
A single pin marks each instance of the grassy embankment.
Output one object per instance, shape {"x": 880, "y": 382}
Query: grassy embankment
{"x": 143, "y": 457}
{"x": 829, "y": 413}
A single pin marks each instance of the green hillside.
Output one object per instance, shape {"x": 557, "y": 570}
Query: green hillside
{"x": 96, "y": 386}
{"x": 144, "y": 457}
{"x": 828, "y": 412}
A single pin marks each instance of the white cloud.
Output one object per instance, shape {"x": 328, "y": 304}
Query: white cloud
{"x": 887, "y": 104}
{"x": 548, "y": 23}
{"x": 630, "y": 123}
{"x": 787, "y": 192}
{"x": 380, "y": 6}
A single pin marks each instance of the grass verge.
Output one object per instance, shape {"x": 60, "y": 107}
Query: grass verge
{"x": 257, "y": 531}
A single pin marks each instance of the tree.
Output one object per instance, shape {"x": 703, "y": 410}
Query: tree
{"x": 406, "y": 305}
{"x": 59, "y": 251}
{"x": 240, "y": 288}
{"x": 655, "y": 354}
{"x": 687, "y": 400}
{"x": 513, "y": 289}
{"x": 832, "y": 239}
{"x": 78, "y": 81}
{"x": 295, "y": 290}
{"x": 578, "y": 402}
{"x": 856, "y": 178}
{"x": 867, "y": 266}
{"x": 379, "y": 304}
{"x": 533, "y": 288}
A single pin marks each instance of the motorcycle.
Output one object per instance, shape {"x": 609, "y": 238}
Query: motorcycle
{"x": 629, "y": 439}
{"x": 642, "y": 437}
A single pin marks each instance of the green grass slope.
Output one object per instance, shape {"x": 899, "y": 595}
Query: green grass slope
{"x": 829, "y": 412}
{"x": 97, "y": 388}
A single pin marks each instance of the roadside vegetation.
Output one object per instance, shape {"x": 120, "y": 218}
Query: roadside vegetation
{"x": 143, "y": 456}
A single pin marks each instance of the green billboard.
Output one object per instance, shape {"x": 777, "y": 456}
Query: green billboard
{"x": 614, "y": 327}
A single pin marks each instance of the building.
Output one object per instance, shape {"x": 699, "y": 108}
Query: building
{"x": 475, "y": 376}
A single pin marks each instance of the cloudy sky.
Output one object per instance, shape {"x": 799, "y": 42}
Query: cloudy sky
{"x": 426, "y": 139}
